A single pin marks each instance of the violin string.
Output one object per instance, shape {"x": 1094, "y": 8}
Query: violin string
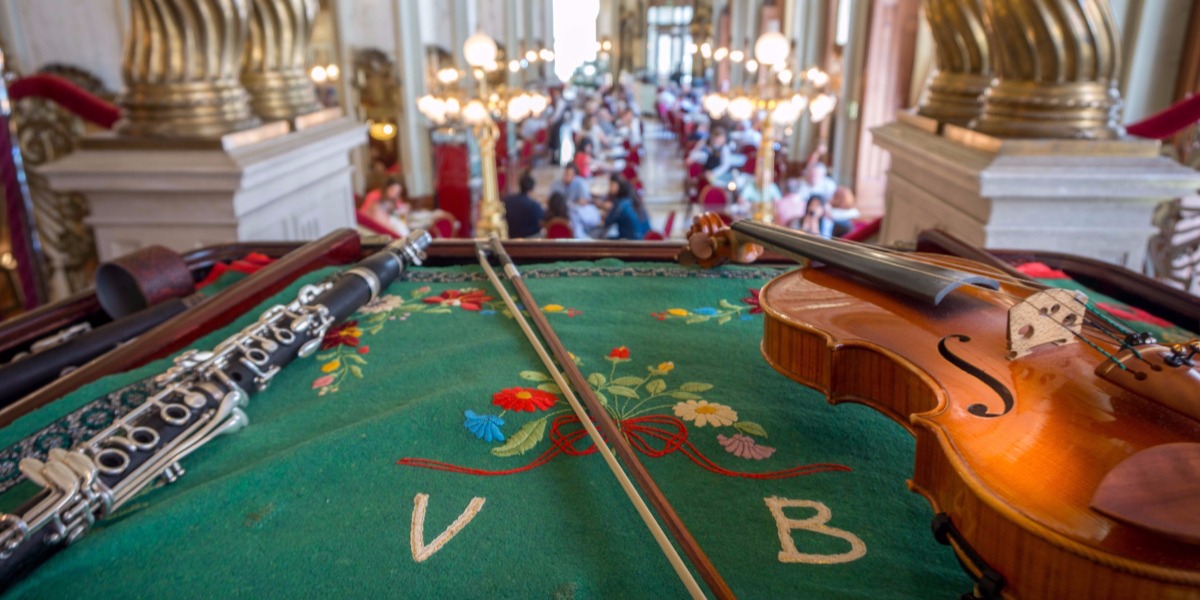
{"x": 845, "y": 249}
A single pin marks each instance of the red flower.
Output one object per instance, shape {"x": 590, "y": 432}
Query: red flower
{"x": 523, "y": 399}
{"x": 622, "y": 353}
{"x": 364, "y": 349}
{"x": 346, "y": 334}
{"x": 752, "y": 300}
{"x": 572, "y": 312}
{"x": 467, "y": 299}
{"x": 1133, "y": 313}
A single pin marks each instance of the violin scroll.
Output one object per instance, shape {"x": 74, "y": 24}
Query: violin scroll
{"x": 711, "y": 244}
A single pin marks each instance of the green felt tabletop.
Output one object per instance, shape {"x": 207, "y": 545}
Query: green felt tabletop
{"x": 373, "y": 468}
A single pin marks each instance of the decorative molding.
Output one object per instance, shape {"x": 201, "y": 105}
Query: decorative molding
{"x": 954, "y": 93}
{"x": 274, "y": 69}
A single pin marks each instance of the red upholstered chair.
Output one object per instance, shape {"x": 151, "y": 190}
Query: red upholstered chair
{"x": 559, "y": 229}
{"x": 669, "y": 224}
{"x": 693, "y": 184}
{"x": 714, "y": 199}
{"x": 374, "y": 226}
{"x": 653, "y": 236}
{"x": 629, "y": 172}
{"x": 751, "y": 154}
{"x": 864, "y": 230}
{"x": 444, "y": 226}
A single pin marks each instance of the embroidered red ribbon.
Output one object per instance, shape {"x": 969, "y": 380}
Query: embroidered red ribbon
{"x": 566, "y": 433}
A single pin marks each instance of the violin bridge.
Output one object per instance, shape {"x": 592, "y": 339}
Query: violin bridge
{"x": 1053, "y": 316}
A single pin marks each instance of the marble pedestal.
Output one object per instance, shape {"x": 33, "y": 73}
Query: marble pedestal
{"x": 1089, "y": 198}
{"x": 275, "y": 183}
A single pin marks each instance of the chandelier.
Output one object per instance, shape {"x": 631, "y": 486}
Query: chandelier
{"x": 779, "y": 100}
{"x": 480, "y": 111}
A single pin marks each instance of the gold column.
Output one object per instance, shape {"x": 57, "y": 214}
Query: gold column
{"x": 1057, "y": 64}
{"x": 954, "y": 93}
{"x": 276, "y": 59}
{"x": 491, "y": 209}
{"x": 182, "y": 62}
{"x": 764, "y": 172}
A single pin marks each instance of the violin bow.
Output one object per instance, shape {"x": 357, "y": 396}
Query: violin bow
{"x": 605, "y": 428}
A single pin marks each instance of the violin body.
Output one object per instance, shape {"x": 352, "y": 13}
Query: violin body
{"x": 1011, "y": 450}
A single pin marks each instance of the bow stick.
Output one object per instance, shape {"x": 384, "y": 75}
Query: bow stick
{"x": 607, "y": 428}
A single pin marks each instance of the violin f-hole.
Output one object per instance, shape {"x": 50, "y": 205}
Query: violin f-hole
{"x": 979, "y": 410}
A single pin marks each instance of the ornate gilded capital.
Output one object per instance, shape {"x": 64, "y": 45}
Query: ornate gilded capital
{"x": 274, "y": 69}
{"x": 955, "y": 92}
{"x": 1057, "y": 64}
{"x": 182, "y": 64}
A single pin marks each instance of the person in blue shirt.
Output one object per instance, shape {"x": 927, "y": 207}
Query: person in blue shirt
{"x": 628, "y": 212}
{"x": 523, "y": 213}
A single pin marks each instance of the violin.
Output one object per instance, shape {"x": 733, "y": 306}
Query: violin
{"x": 1059, "y": 451}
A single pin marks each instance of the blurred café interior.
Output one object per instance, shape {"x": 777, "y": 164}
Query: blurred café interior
{"x": 1053, "y": 126}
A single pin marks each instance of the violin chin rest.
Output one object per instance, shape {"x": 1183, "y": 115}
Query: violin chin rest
{"x": 1157, "y": 489}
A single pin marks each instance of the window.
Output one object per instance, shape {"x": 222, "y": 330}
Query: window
{"x": 668, "y": 40}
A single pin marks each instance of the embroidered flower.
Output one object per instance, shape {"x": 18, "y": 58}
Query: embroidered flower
{"x": 752, "y": 300}
{"x": 364, "y": 349}
{"x": 1133, "y": 313}
{"x": 744, "y": 446}
{"x": 553, "y": 308}
{"x": 677, "y": 312}
{"x": 485, "y": 427}
{"x": 321, "y": 382}
{"x": 467, "y": 299}
{"x": 661, "y": 316}
{"x": 571, "y": 312}
{"x": 331, "y": 366}
{"x": 619, "y": 354}
{"x": 382, "y": 304}
{"x": 703, "y": 413}
{"x": 707, "y": 311}
{"x": 663, "y": 368}
{"x": 346, "y": 334}
{"x": 523, "y": 399}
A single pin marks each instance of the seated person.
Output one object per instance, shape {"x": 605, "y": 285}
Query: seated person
{"x": 744, "y": 134}
{"x": 792, "y": 205}
{"x": 631, "y": 128}
{"x": 556, "y": 208}
{"x": 817, "y": 182}
{"x": 748, "y": 197}
{"x": 583, "y": 158}
{"x": 816, "y": 218}
{"x": 627, "y": 211}
{"x": 523, "y": 213}
{"x": 842, "y": 211}
{"x": 386, "y": 206}
{"x": 718, "y": 168}
{"x": 586, "y": 219}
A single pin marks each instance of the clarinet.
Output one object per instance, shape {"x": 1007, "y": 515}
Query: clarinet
{"x": 199, "y": 398}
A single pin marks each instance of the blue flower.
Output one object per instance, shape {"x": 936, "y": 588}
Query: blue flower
{"x": 707, "y": 311}
{"x": 746, "y": 317}
{"x": 485, "y": 427}
{"x": 487, "y": 311}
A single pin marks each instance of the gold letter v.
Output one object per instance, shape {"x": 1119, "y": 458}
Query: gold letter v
{"x": 420, "y": 551}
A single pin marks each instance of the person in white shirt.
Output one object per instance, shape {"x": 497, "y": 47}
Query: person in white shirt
{"x": 745, "y": 134}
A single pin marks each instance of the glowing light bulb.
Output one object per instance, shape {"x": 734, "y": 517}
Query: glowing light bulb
{"x": 546, "y": 55}
{"x": 721, "y": 54}
{"x": 706, "y": 50}
{"x": 741, "y": 108}
{"x": 447, "y": 76}
{"x": 453, "y": 106}
{"x": 433, "y": 108}
{"x": 333, "y": 71}
{"x": 538, "y": 104}
{"x": 318, "y": 74}
{"x": 821, "y": 107}
{"x": 785, "y": 77}
{"x": 514, "y": 66}
{"x": 772, "y": 48}
{"x": 715, "y": 105}
{"x": 475, "y": 113}
{"x": 737, "y": 56}
{"x": 752, "y": 66}
{"x": 480, "y": 50}
{"x": 531, "y": 56}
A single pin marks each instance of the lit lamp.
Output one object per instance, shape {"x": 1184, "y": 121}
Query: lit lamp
{"x": 771, "y": 52}
{"x": 479, "y": 114}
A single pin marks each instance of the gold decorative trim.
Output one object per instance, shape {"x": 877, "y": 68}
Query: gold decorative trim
{"x": 955, "y": 92}
{"x": 274, "y": 67}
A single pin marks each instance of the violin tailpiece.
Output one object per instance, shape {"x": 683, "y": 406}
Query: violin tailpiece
{"x": 1053, "y": 316}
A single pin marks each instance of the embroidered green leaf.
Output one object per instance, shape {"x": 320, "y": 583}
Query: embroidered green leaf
{"x": 523, "y": 440}
{"x": 751, "y": 428}
{"x": 696, "y": 387}
{"x": 534, "y": 376}
{"x": 628, "y": 380}
{"x": 326, "y": 356}
{"x": 620, "y": 390}
{"x": 696, "y": 319}
{"x": 724, "y": 319}
{"x": 678, "y": 395}
{"x": 725, "y": 304}
{"x": 550, "y": 387}
{"x": 357, "y": 372}
{"x": 602, "y": 398}
{"x": 597, "y": 379}
{"x": 656, "y": 386}
{"x": 440, "y": 311}
{"x": 356, "y": 358}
